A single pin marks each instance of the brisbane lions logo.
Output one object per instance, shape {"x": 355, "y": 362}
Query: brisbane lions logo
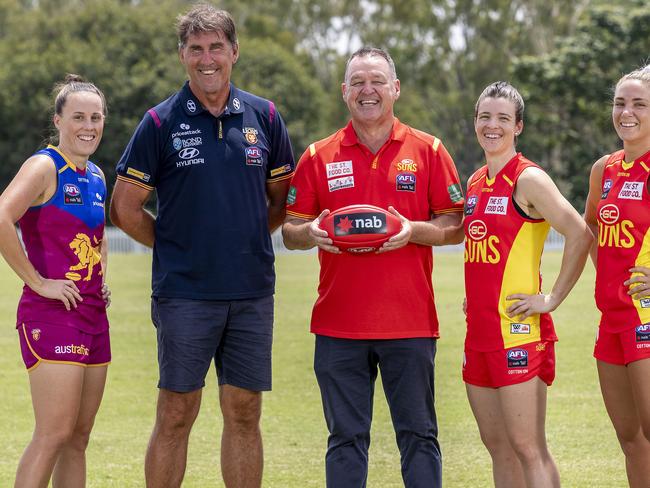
{"x": 88, "y": 256}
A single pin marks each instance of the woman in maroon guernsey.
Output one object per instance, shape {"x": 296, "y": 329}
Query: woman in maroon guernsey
{"x": 618, "y": 212}
{"x": 57, "y": 198}
{"x": 509, "y": 349}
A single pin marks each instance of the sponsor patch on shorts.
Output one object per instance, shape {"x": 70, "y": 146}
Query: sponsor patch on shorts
{"x": 643, "y": 333}
{"x": 517, "y": 358}
{"x": 644, "y": 302}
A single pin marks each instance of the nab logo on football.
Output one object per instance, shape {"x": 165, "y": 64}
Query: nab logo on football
{"x": 477, "y": 230}
{"x": 517, "y": 358}
{"x": 609, "y": 214}
{"x": 359, "y": 223}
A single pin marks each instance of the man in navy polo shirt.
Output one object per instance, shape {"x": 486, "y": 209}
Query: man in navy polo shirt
{"x": 220, "y": 161}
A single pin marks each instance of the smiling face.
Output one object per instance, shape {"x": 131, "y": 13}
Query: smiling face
{"x": 496, "y": 127}
{"x": 631, "y": 111}
{"x": 370, "y": 90}
{"x": 208, "y": 58}
{"x": 80, "y": 125}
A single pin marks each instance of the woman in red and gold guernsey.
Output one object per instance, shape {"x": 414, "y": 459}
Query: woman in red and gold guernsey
{"x": 57, "y": 198}
{"x": 509, "y": 348}
{"x": 618, "y": 212}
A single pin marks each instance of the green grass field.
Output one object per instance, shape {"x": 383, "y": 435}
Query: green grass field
{"x": 579, "y": 433}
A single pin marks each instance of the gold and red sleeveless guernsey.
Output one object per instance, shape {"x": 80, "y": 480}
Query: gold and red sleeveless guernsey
{"x": 623, "y": 240}
{"x": 503, "y": 249}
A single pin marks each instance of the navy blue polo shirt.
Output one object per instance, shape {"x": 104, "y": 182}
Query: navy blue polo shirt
{"x": 210, "y": 174}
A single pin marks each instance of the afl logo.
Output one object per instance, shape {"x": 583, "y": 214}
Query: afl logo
{"x": 191, "y": 106}
{"x": 517, "y": 354}
{"x": 477, "y": 230}
{"x": 188, "y": 153}
{"x": 609, "y": 214}
{"x": 71, "y": 190}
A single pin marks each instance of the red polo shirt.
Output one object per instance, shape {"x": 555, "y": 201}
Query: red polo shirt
{"x": 376, "y": 296}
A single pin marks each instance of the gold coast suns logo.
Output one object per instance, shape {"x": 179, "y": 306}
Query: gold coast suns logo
{"x": 481, "y": 247}
{"x": 613, "y": 232}
{"x": 88, "y": 256}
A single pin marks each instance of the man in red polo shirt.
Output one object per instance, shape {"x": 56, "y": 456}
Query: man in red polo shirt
{"x": 376, "y": 311}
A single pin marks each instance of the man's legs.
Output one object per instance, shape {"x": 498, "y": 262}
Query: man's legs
{"x": 407, "y": 373}
{"x": 346, "y": 373}
{"x": 167, "y": 452}
{"x": 243, "y": 363}
{"x": 241, "y": 441}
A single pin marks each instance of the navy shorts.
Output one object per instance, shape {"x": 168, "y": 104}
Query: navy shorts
{"x": 237, "y": 334}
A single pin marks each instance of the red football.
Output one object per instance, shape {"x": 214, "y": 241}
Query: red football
{"x": 360, "y": 228}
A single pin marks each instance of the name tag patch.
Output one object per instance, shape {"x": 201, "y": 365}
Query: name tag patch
{"x": 340, "y": 183}
{"x": 338, "y": 169}
{"x": 497, "y": 206}
{"x": 632, "y": 190}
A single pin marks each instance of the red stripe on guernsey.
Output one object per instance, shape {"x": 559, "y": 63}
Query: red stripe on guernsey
{"x": 155, "y": 117}
{"x": 623, "y": 215}
{"x": 502, "y": 256}
{"x": 271, "y": 111}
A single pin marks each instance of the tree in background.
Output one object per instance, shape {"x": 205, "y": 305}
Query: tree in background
{"x": 129, "y": 49}
{"x": 569, "y": 91}
{"x": 563, "y": 55}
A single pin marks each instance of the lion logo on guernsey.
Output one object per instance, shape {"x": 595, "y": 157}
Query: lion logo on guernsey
{"x": 36, "y": 334}
{"x": 88, "y": 256}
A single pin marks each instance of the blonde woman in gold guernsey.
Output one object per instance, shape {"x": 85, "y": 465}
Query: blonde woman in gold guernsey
{"x": 618, "y": 212}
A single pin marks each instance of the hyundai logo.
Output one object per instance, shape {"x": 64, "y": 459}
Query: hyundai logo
{"x": 189, "y": 153}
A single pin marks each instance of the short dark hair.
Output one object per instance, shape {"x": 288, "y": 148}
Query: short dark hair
{"x": 204, "y": 17}
{"x": 371, "y": 51}
{"x": 503, "y": 89}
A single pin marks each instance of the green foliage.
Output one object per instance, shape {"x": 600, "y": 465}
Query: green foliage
{"x": 129, "y": 49}
{"x": 565, "y": 56}
{"x": 569, "y": 92}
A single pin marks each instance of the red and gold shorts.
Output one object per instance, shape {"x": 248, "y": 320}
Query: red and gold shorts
{"x": 494, "y": 369}
{"x": 624, "y": 347}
